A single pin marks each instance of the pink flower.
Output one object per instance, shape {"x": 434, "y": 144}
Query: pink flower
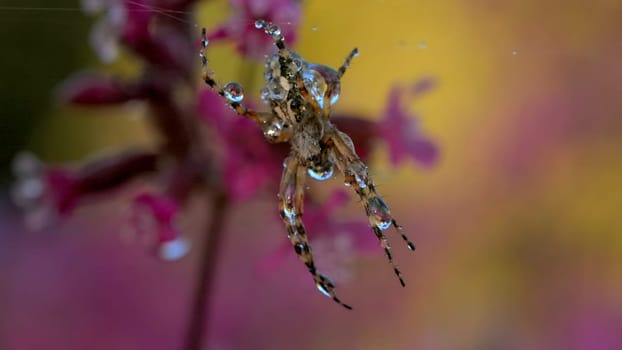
{"x": 401, "y": 130}
{"x": 94, "y": 89}
{"x": 240, "y": 28}
{"x": 42, "y": 193}
{"x": 249, "y": 162}
{"x": 106, "y": 32}
{"x": 156, "y": 217}
{"x": 45, "y": 193}
{"x": 131, "y": 23}
{"x": 397, "y": 127}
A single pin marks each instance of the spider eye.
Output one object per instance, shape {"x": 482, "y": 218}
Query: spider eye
{"x": 320, "y": 80}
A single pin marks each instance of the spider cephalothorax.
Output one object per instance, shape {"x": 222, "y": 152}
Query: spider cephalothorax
{"x": 300, "y": 96}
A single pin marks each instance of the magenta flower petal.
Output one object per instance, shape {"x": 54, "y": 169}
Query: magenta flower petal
{"x": 249, "y": 161}
{"x": 363, "y": 132}
{"x": 249, "y": 41}
{"x": 162, "y": 210}
{"x": 94, "y": 89}
{"x": 136, "y": 27}
{"x": 64, "y": 188}
{"x": 401, "y": 131}
{"x": 42, "y": 193}
{"x": 155, "y": 216}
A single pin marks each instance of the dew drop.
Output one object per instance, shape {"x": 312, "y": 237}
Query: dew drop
{"x": 297, "y": 62}
{"x": 290, "y": 214}
{"x": 234, "y": 92}
{"x": 361, "y": 181}
{"x": 411, "y": 246}
{"x": 315, "y": 84}
{"x": 273, "y": 131}
{"x": 322, "y": 288}
{"x": 300, "y": 248}
{"x": 265, "y": 95}
{"x": 334, "y": 96}
{"x": 321, "y": 174}
{"x": 274, "y": 30}
{"x": 270, "y": 28}
{"x": 379, "y": 214}
{"x": 276, "y": 91}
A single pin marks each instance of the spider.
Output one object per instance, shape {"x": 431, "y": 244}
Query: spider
{"x": 300, "y": 96}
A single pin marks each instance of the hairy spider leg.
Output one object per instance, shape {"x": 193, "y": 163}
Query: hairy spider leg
{"x": 275, "y": 32}
{"x": 356, "y": 175}
{"x": 210, "y": 80}
{"x": 264, "y": 120}
{"x": 342, "y": 70}
{"x": 291, "y": 209}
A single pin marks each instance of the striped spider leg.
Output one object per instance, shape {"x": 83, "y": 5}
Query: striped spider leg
{"x": 356, "y": 176}
{"x": 291, "y": 205}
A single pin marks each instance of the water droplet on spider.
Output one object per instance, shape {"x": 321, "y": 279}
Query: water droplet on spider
{"x": 265, "y": 95}
{"x": 234, "y": 92}
{"x": 260, "y": 23}
{"x": 276, "y": 91}
{"x": 273, "y": 130}
{"x": 269, "y": 28}
{"x": 334, "y": 96}
{"x": 323, "y": 289}
{"x": 315, "y": 85}
{"x": 379, "y": 214}
{"x": 290, "y": 214}
{"x": 275, "y": 31}
{"x": 174, "y": 249}
{"x": 297, "y": 62}
{"x": 300, "y": 248}
{"x": 361, "y": 181}
{"x": 321, "y": 174}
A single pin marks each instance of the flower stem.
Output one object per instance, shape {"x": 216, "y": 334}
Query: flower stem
{"x": 199, "y": 314}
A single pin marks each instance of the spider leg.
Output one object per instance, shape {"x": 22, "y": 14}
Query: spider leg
{"x": 291, "y": 207}
{"x": 275, "y": 32}
{"x": 341, "y": 71}
{"x": 210, "y": 80}
{"x": 273, "y": 128}
{"x": 356, "y": 175}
